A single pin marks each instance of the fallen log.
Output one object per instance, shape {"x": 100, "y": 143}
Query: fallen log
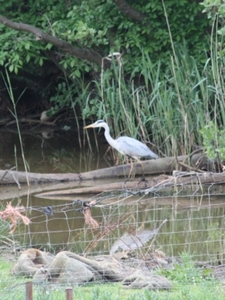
{"x": 97, "y": 188}
{"x": 12, "y": 191}
{"x": 151, "y": 167}
{"x": 193, "y": 181}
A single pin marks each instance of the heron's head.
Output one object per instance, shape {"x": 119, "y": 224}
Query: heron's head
{"x": 99, "y": 123}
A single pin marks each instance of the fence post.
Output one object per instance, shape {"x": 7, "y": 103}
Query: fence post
{"x": 69, "y": 293}
{"x": 29, "y": 290}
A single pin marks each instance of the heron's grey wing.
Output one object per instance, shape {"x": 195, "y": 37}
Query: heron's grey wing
{"x": 134, "y": 148}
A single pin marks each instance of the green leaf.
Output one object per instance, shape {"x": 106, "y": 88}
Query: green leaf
{"x": 27, "y": 58}
{"x": 27, "y": 46}
{"x": 11, "y": 68}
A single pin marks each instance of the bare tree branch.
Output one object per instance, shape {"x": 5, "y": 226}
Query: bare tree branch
{"x": 85, "y": 53}
{"x": 130, "y": 12}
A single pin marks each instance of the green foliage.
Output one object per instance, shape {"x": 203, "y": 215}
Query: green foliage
{"x": 213, "y": 140}
{"x": 161, "y": 107}
{"x": 184, "y": 272}
{"x": 214, "y": 8}
{"x": 102, "y": 27}
{"x": 20, "y": 50}
{"x": 60, "y": 99}
{"x": 215, "y": 11}
{"x": 164, "y": 107}
{"x": 153, "y": 93}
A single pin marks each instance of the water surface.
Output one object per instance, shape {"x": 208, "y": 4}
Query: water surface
{"x": 195, "y": 222}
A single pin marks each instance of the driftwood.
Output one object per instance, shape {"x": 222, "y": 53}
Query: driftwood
{"x": 96, "y": 188}
{"x": 158, "y": 166}
{"x": 12, "y": 191}
{"x": 191, "y": 179}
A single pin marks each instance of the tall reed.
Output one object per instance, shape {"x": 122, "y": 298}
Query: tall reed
{"x": 8, "y": 86}
{"x": 164, "y": 106}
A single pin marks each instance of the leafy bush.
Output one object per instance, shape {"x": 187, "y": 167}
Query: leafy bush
{"x": 103, "y": 27}
{"x": 213, "y": 140}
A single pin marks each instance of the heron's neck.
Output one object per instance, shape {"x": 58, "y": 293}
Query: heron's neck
{"x": 108, "y": 137}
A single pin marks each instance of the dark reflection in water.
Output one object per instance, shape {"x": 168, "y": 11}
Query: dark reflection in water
{"x": 55, "y": 152}
{"x": 193, "y": 227}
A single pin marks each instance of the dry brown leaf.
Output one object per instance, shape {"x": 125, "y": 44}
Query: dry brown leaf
{"x": 14, "y": 214}
{"x": 89, "y": 220}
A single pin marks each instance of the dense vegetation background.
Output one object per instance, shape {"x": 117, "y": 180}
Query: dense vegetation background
{"x": 160, "y": 84}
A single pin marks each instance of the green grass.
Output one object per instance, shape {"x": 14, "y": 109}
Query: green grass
{"x": 188, "y": 282}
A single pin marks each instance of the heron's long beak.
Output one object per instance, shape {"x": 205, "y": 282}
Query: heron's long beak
{"x": 89, "y": 126}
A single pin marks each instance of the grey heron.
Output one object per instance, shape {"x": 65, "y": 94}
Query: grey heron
{"x": 125, "y": 145}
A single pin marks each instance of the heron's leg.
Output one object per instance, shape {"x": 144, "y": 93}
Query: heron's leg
{"x": 131, "y": 168}
{"x": 129, "y": 159}
{"x": 143, "y": 174}
{"x": 142, "y": 167}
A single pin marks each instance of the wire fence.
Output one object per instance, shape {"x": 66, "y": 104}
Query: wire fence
{"x": 192, "y": 218}
{"x": 122, "y": 223}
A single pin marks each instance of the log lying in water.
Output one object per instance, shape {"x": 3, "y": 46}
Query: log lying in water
{"x": 194, "y": 180}
{"x": 151, "y": 167}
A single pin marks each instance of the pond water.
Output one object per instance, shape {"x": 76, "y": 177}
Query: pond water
{"x": 49, "y": 152}
{"x": 195, "y": 222}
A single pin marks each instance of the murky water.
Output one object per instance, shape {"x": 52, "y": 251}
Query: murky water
{"x": 194, "y": 223}
{"x": 49, "y": 152}
{"x": 192, "y": 226}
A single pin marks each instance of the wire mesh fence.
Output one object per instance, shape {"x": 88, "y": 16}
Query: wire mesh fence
{"x": 125, "y": 223}
{"x": 192, "y": 223}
